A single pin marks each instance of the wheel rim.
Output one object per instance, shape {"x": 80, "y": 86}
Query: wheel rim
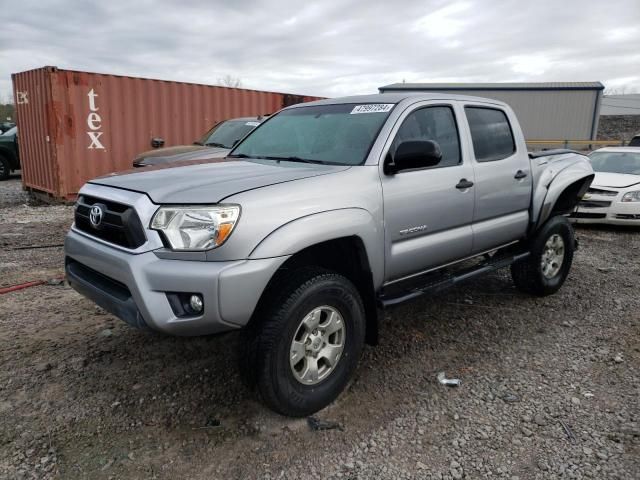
{"x": 317, "y": 345}
{"x": 552, "y": 256}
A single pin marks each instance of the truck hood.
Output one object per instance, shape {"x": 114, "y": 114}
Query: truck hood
{"x": 615, "y": 180}
{"x": 210, "y": 181}
{"x": 179, "y": 154}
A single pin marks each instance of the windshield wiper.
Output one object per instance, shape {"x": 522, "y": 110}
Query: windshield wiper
{"x": 216, "y": 144}
{"x": 280, "y": 159}
{"x": 294, "y": 159}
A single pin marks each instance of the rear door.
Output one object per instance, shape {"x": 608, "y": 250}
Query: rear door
{"x": 427, "y": 218}
{"x": 502, "y": 176}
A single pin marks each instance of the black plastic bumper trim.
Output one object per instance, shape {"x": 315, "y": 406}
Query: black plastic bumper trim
{"x": 109, "y": 294}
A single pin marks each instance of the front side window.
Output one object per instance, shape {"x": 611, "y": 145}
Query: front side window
{"x": 340, "y": 134}
{"x": 437, "y": 124}
{"x": 491, "y": 134}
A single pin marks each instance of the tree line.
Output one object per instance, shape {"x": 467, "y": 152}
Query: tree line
{"x": 7, "y": 108}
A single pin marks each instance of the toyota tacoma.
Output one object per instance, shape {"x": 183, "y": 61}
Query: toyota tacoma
{"x": 324, "y": 215}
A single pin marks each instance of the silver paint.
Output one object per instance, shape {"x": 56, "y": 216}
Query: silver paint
{"x": 317, "y": 345}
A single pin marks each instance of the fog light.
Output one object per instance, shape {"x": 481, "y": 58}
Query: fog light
{"x": 195, "y": 302}
{"x": 186, "y": 304}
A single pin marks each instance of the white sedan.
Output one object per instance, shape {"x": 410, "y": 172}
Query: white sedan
{"x": 614, "y": 196}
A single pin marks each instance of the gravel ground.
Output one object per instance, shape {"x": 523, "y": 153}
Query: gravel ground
{"x": 25, "y": 222}
{"x": 549, "y": 389}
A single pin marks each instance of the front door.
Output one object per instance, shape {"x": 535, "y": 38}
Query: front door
{"x": 428, "y": 212}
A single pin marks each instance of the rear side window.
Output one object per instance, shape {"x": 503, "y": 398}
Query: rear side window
{"x": 433, "y": 123}
{"x": 491, "y": 134}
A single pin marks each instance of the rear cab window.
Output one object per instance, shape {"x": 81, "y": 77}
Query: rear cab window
{"x": 491, "y": 133}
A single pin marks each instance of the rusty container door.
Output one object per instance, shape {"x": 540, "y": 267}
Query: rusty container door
{"x": 97, "y": 123}
{"x": 36, "y": 130}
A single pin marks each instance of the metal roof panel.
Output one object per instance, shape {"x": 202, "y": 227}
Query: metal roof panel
{"x": 495, "y": 86}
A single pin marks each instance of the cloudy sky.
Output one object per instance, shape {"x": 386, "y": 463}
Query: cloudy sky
{"x": 329, "y": 48}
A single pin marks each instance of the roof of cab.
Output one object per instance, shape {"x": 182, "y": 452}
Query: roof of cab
{"x": 397, "y": 97}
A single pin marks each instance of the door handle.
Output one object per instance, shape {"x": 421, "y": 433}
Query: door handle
{"x": 520, "y": 174}
{"x": 464, "y": 184}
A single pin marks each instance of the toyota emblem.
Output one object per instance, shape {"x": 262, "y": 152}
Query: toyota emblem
{"x": 95, "y": 216}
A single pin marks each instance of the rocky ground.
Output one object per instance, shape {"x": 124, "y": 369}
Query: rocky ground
{"x": 550, "y": 387}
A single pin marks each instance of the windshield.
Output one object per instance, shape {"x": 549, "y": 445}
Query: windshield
{"x": 334, "y": 134}
{"x": 226, "y": 133}
{"x": 10, "y": 132}
{"x": 616, "y": 162}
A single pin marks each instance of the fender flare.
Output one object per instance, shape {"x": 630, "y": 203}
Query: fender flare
{"x": 550, "y": 189}
{"x": 303, "y": 232}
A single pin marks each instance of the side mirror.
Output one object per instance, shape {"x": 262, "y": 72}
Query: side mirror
{"x": 157, "y": 142}
{"x": 413, "y": 154}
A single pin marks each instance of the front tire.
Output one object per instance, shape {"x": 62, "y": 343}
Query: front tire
{"x": 305, "y": 342}
{"x": 546, "y": 269}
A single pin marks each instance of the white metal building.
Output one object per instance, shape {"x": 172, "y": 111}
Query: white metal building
{"x": 547, "y": 111}
{"x": 625, "y": 104}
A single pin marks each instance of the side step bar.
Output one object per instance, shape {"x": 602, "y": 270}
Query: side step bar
{"x": 445, "y": 280}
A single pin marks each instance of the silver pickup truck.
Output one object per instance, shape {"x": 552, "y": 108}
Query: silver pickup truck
{"x": 325, "y": 214}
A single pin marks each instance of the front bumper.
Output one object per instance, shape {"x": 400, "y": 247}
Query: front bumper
{"x": 134, "y": 287}
{"x": 616, "y": 213}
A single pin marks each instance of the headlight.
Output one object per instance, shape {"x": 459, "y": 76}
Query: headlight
{"x": 196, "y": 228}
{"x": 631, "y": 196}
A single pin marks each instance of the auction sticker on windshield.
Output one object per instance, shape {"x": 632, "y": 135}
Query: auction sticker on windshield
{"x": 372, "y": 108}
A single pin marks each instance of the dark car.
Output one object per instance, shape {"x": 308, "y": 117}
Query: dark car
{"x": 216, "y": 143}
{"x": 9, "y": 158}
{"x": 635, "y": 141}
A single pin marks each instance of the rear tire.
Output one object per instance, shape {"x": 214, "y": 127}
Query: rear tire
{"x": 546, "y": 269}
{"x": 305, "y": 341}
{"x": 5, "y": 168}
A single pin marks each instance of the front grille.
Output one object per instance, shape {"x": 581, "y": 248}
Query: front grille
{"x": 594, "y": 204}
{"x": 587, "y": 215}
{"x": 599, "y": 191}
{"x": 627, "y": 216}
{"x": 120, "y": 223}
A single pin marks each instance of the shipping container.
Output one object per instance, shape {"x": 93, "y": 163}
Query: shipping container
{"x": 74, "y": 126}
